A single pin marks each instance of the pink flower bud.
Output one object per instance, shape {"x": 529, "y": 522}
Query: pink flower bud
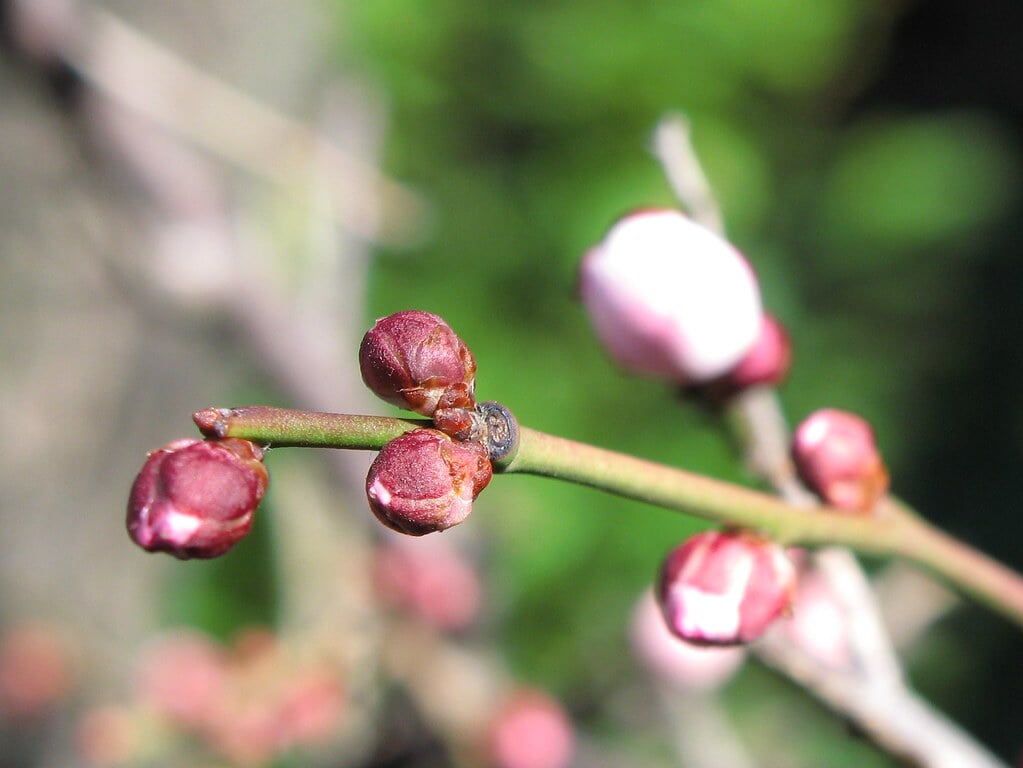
{"x": 669, "y": 298}
{"x": 531, "y": 731}
{"x": 725, "y": 587}
{"x": 196, "y": 498}
{"x": 36, "y": 671}
{"x": 836, "y": 456}
{"x": 423, "y": 481}
{"x": 687, "y": 666}
{"x": 312, "y": 707}
{"x": 766, "y": 364}
{"x": 414, "y": 360}
{"x": 432, "y": 581}
{"x": 819, "y": 625}
{"x": 183, "y": 676}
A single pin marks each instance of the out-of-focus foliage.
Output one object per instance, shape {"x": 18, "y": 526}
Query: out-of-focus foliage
{"x": 873, "y": 228}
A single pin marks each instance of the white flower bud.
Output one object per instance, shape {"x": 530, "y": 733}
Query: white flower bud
{"x": 670, "y": 298}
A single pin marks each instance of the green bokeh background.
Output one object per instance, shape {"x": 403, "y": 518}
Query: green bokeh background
{"x": 867, "y": 158}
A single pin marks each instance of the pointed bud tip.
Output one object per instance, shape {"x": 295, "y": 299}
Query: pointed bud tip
{"x": 211, "y": 421}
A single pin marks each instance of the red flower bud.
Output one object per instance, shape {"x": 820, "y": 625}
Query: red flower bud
{"x": 196, "y": 498}
{"x": 725, "y": 587}
{"x": 836, "y": 456}
{"x": 414, "y": 360}
{"x": 670, "y": 298}
{"x": 423, "y": 481}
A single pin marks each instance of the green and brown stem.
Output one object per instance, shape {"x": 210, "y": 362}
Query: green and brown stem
{"x": 894, "y": 530}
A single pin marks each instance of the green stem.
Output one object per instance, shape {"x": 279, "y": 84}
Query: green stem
{"x": 893, "y": 530}
{"x": 285, "y": 428}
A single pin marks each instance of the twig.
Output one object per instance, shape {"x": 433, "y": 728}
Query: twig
{"x": 893, "y": 717}
{"x": 897, "y": 531}
{"x": 674, "y": 149}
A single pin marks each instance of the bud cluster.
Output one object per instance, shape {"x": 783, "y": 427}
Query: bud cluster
{"x": 427, "y": 479}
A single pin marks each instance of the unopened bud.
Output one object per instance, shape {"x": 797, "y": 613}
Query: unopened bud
{"x": 725, "y": 587}
{"x": 414, "y": 360}
{"x": 196, "y": 498}
{"x": 423, "y": 481}
{"x": 670, "y": 298}
{"x": 766, "y": 364}
{"x": 183, "y": 676}
{"x": 698, "y": 669}
{"x": 836, "y": 456}
{"x": 431, "y": 580}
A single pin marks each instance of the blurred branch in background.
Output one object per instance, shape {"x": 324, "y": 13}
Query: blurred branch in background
{"x": 207, "y": 253}
{"x": 866, "y": 685}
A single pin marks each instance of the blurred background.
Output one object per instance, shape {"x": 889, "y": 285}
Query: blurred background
{"x": 208, "y": 204}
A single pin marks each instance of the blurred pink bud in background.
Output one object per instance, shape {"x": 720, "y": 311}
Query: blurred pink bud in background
{"x": 725, "y": 587}
{"x": 311, "y": 708}
{"x": 670, "y": 298}
{"x": 431, "y": 580}
{"x": 36, "y": 671}
{"x": 423, "y": 481}
{"x": 836, "y": 456}
{"x": 531, "y": 730}
{"x": 766, "y": 364}
{"x": 684, "y": 665}
{"x": 183, "y": 676}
